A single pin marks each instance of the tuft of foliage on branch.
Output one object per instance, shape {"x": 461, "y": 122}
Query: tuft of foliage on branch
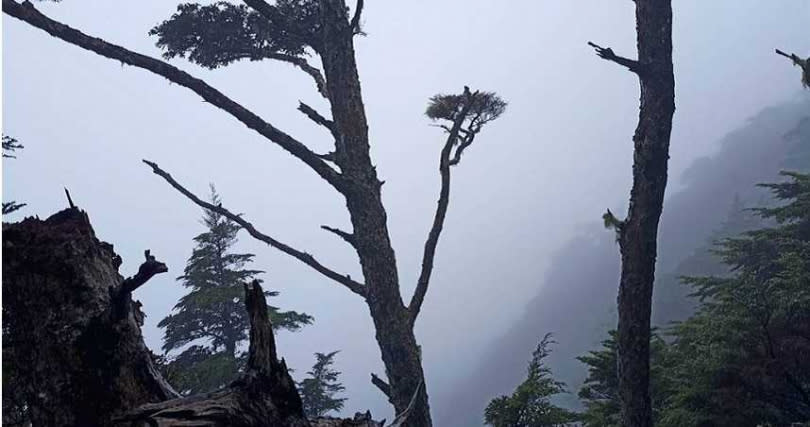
{"x": 10, "y": 145}
{"x": 210, "y": 323}
{"x": 319, "y": 390}
{"x": 218, "y": 34}
{"x": 530, "y": 404}
{"x": 482, "y": 107}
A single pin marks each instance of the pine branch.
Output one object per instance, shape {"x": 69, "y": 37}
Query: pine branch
{"x": 28, "y": 13}
{"x": 304, "y": 257}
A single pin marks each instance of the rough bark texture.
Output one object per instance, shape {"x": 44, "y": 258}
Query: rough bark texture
{"x": 637, "y": 234}
{"x": 77, "y": 352}
{"x": 394, "y": 331}
{"x": 74, "y": 333}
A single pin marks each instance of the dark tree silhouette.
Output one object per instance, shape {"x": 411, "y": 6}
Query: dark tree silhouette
{"x": 637, "y": 235}
{"x": 291, "y": 30}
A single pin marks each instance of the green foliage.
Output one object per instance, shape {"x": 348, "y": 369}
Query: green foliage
{"x": 742, "y": 358}
{"x": 610, "y": 221}
{"x": 600, "y": 391}
{"x": 218, "y": 34}
{"x": 482, "y": 107}
{"x": 319, "y": 389}
{"x": 210, "y": 322}
{"x": 749, "y": 340}
{"x": 530, "y": 404}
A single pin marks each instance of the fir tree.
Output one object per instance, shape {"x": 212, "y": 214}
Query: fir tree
{"x": 210, "y": 321}
{"x": 530, "y": 404}
{"x": 319, "y": 390}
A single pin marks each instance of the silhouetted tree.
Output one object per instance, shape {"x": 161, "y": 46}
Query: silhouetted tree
{"x": 290, "y": 30}
{"x": 319, "y": 389}
{"x": 212, "y": 315}
{"x": 530, "y": 404}
{"x": 637, "y": 235}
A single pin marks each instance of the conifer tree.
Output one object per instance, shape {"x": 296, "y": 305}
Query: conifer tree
{"x": 210, "y": 322}
{"x": 319, "y": 390}
{"x": 530, "y": 404}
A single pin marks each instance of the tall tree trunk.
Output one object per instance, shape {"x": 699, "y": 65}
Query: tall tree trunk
{"x": 394, "y": 331}
{"x": 638, "y": 233}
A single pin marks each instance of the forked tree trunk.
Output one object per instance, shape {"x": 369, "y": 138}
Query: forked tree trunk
{"x": 72, "y": 338}
{"x": 392, "y": 320}
{"x": 638, "y": 233}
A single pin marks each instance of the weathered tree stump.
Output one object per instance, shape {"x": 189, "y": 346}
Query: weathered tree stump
{"x": 73, "y": 348}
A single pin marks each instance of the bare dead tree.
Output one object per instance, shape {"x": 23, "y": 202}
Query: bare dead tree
{"x": 324, "y": 27}
{"x": 803, "y": 64}
{"x": 637, "y": 235}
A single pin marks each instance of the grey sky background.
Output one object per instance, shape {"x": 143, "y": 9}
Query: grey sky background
{"x": 559, "y": 156}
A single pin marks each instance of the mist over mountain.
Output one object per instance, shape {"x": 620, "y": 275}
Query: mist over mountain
{"x": 576, "y": 299}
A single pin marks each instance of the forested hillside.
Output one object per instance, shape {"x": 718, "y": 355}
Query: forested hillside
{"x": 580, "y": 286}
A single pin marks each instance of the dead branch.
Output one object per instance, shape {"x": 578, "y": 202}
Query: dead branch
{"x": 302, "y": 64}
{"x": 28, "y": 13}
{"x": 319, "y": 119}
{"x": 304, "y": 257}
{"x": 804, "y": 64}
{"x": 146, "y": 271}
{"x": 348, "y": 237}
{"x": 355, "y": 23}
{"x": 382, "y": 385}
{"x": 607, "y": 53}
{"x": 70, "y": 201}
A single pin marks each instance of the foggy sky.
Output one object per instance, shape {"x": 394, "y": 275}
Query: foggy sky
{"x": 557, "y": 158}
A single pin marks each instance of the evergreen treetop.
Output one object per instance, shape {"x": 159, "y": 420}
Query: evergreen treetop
{"x": 210, "y": 322}
{"x": 318, "y": 391}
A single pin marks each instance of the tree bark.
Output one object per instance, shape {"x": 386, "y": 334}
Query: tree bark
{"x": 637, "y": 234}
{"x": 394, "y": 331}
{"x": 72, "y": 337}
